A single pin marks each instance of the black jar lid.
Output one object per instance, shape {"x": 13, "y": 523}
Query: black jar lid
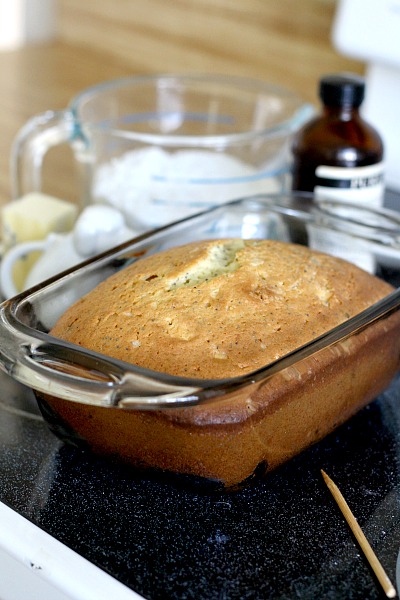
{"x": 342, "y": 90}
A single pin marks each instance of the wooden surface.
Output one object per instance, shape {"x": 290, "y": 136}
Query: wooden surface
{"x": 286, "y": 43}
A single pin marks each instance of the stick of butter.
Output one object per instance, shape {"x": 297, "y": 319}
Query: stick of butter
{"x": 33, "y": 217}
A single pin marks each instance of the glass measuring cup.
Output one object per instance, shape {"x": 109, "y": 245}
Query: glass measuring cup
{"x": 162, "y": 147}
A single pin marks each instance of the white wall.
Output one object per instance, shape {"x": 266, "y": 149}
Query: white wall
{"x": 26, "y": 21}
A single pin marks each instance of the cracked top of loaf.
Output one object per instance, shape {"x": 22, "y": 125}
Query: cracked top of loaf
{"x": 218, "y": 308}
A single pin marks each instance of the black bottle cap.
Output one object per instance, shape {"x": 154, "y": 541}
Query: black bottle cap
{"x": 342, "y": 90}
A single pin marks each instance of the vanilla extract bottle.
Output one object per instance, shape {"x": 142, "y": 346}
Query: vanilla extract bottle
{"x": 338, "y": 156}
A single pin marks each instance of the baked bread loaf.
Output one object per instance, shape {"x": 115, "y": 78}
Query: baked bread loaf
{"x": 222, "y": 308}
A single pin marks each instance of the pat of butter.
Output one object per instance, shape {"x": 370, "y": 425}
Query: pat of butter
{"x": 34, "y": 217}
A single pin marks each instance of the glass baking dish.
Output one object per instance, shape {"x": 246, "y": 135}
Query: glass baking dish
{"x": 122, "y": 410}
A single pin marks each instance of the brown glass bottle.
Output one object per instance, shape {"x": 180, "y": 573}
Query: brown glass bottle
{"x": 338, "y": 153}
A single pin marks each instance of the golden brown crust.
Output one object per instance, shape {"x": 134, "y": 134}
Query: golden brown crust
{"x": 260, "y": 425}
{"x": 218, "y": 309}
{"x": 262, "y": 301}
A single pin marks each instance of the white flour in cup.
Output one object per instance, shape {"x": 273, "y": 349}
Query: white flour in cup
{"x": 152, "y": 187}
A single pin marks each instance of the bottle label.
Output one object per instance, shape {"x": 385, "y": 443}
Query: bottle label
{"x": 364, "y": 185}
{"x": 359, "y": 185}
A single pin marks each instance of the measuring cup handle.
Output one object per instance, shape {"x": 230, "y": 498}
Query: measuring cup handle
{"x": 30, "y": 145}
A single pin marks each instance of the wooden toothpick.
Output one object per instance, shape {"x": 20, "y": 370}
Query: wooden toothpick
{"x": 359, "y": 535}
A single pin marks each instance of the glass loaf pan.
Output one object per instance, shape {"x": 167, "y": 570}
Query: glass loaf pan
{"x": 203, "y": 429}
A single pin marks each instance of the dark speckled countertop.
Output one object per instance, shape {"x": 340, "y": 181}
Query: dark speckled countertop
{"x": 282, "y": 538}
